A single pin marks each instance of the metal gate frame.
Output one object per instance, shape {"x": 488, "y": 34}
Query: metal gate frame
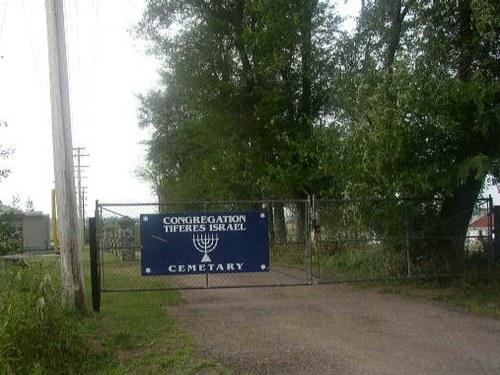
{"x": 114, "y": 258}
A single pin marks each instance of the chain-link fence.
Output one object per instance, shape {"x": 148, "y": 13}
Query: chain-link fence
{"x": 325, "y": 240}
{"x": 400, "y": 238}
{"x": 119, "y": 246}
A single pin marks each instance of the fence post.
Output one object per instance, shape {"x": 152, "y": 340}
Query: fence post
{"x": 407, "y": 240}
{"x": 94, "y": 266}
{"x": 496, "y": 232}
{"x": 309, "y": 204}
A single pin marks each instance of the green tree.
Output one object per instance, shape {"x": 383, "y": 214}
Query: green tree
{"x": 423, "y": 119}
{"x": 244, "y": 98}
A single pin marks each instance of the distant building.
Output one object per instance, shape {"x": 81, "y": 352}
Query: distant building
{"x": 481, "y": 227}
{"x": 36, "y": 231}
{"x": 33, "y": 228}
{"x": 479, "y": 233}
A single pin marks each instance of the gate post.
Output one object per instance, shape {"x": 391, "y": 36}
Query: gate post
{"x": 94, "y": 266}
{"x": 309, "y": 206}
{"x": 496, "y": 232}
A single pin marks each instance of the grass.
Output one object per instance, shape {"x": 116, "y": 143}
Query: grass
{"x": 133, "y": 334}
{"x": 478, "y": 295}
{"x": 138, "y": 330}
{"x": 358, "y": 261}
{"x": 38, "y": 335}
{"x": 291, "y": 255}
{"x": 477, "y": 290}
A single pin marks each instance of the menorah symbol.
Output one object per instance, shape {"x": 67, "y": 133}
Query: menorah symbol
{"x": 205, "y": 243}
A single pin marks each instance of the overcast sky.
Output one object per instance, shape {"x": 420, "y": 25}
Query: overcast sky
{"x": 107, "y": 68}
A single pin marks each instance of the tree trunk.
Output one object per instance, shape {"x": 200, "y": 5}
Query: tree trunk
{"x": 465, "y": 38}
{"x": 279, "y": 223}
{"x": 397, "y": 16}
{"x": 306, "y": 68}
{"x": 457, "y": 208}
{"x": 454, "y": 218}
{"x": 240, "y": 46}
{"x": 301, "y": 223}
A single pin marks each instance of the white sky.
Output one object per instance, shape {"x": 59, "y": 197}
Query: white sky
{"x": 107, "y": 68}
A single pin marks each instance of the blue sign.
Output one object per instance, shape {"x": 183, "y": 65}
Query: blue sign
{"x": 199, "y": 243}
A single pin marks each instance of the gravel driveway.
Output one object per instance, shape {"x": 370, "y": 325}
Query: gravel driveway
{"x": 338, "y": 329}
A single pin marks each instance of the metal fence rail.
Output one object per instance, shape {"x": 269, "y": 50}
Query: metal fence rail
{"x": 118, "y": 240}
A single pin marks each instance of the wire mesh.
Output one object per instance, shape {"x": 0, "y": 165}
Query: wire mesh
{"x": 118, "y": 236}
{"x": 398, "y": 238}
{"x": 327, "y": 240}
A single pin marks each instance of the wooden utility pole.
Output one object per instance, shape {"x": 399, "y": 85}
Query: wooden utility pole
{"x": 70, "y": 243}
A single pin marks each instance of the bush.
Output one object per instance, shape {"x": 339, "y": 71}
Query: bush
{"x": 9, "y": 237}
{"x": 290, "y": 255}
{"x": 363, "y": 260}
{"x": 37, "y": 334}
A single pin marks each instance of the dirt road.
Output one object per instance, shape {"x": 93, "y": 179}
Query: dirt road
{"x": 338, "y": 329}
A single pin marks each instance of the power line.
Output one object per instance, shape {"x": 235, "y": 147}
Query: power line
{"x": 41, "y": 85}
{"x": 70, "y": 27}
{"x": 78, "y": 155}
{"x": 3, "y": 18}
{"x": 95, "y": 37}
{"x": 33, "y": 54}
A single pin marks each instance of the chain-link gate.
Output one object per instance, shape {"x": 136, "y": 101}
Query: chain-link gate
{"x": 119, "y": 247}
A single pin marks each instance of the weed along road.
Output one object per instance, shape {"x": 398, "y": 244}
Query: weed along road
{"x": 338, "y": 329}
